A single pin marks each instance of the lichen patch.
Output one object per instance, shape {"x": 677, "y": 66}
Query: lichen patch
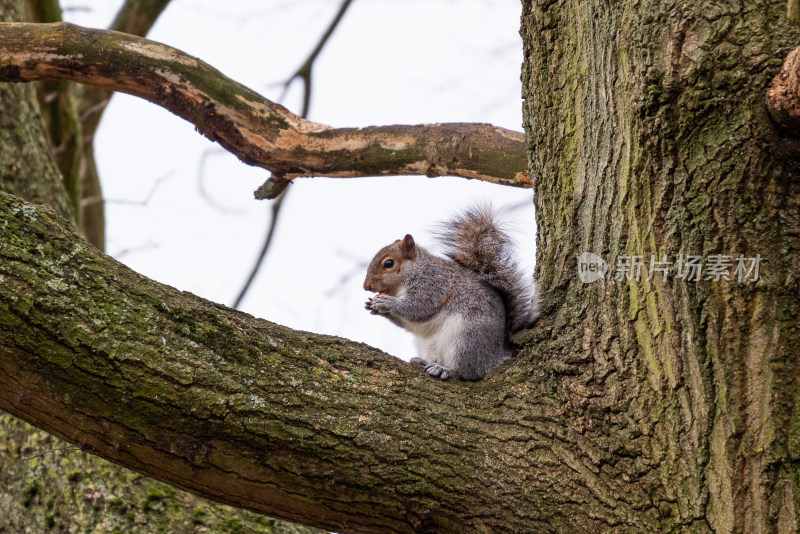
{"x": 159, "y": 52}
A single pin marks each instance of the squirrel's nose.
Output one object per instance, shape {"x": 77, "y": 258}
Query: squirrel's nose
{"x": 367, "y": 285}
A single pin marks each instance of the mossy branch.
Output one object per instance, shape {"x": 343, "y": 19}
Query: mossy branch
{"x": 304, "y": 427}
{"x": 257, "y": 131}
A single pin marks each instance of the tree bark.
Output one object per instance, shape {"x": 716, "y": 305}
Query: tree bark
{"x": 257, "y": 131}
{"x": 648, "y": 136}
{"x": 49, "y": 488}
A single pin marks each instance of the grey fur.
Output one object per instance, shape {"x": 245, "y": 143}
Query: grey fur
{"x": 476, "y": 239}
{"x": 461, "y": 308}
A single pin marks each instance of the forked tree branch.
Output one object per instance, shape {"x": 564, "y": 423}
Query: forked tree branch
{"x": 300, "y": 426}
{"x": 257, "y": 131}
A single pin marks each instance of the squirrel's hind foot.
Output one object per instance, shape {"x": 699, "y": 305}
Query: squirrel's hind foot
{"x": 435, "y": 369}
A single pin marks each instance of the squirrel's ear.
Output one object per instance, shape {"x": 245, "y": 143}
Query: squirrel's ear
{"x": 408, "y": 247}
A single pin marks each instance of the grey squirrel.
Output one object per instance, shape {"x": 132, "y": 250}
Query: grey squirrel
{"x": 461, "y": 308}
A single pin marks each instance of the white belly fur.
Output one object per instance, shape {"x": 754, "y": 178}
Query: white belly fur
{"x": 436, "y": 339}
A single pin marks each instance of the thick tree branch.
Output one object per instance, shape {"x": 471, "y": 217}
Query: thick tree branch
{"x": 304, "y": 427}
{"x": 242, "y": 410}
{"x": 258, "y": 131}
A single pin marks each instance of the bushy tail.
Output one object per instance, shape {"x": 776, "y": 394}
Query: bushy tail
{"x": 476, "y": 240}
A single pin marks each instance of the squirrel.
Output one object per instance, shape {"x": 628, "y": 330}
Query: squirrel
{"x": 462, "y": 308}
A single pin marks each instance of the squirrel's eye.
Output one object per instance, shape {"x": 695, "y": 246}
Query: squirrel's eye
{"x": 388, "y": 264}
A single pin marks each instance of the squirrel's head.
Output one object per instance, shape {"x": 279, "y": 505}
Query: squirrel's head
{"x": 384, "y": 272}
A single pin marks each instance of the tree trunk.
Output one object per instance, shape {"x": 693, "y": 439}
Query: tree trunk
{"x": 648, "y": 134}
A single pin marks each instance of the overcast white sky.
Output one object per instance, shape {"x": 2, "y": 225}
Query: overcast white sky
{"x": 389, "y": 62}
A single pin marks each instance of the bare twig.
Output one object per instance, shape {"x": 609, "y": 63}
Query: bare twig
{"x": 359, "y": 267}
{"x": 257, "y": 130}
{"x": 304, "y": 73}
{"x": 121, "y": 253}
{"x": 201, "y": 187}
{"x": 57, "y": 449}
{"x": 273, "y": 223}
{"x": 88, "y": 201}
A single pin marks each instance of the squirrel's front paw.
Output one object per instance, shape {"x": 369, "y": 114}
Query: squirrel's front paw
{"x": 435, "y": 369}
{"x": 381, "y": 304}
{"x": 419, "y": 361}
{"x": 368, "y": 305}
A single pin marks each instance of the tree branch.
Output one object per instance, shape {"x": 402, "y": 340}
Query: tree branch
{"x": 258, "y": 131}
{"x": 136, "y": 17}
{"x": 275, "y": 210}
{"x": 254, "y": 414}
